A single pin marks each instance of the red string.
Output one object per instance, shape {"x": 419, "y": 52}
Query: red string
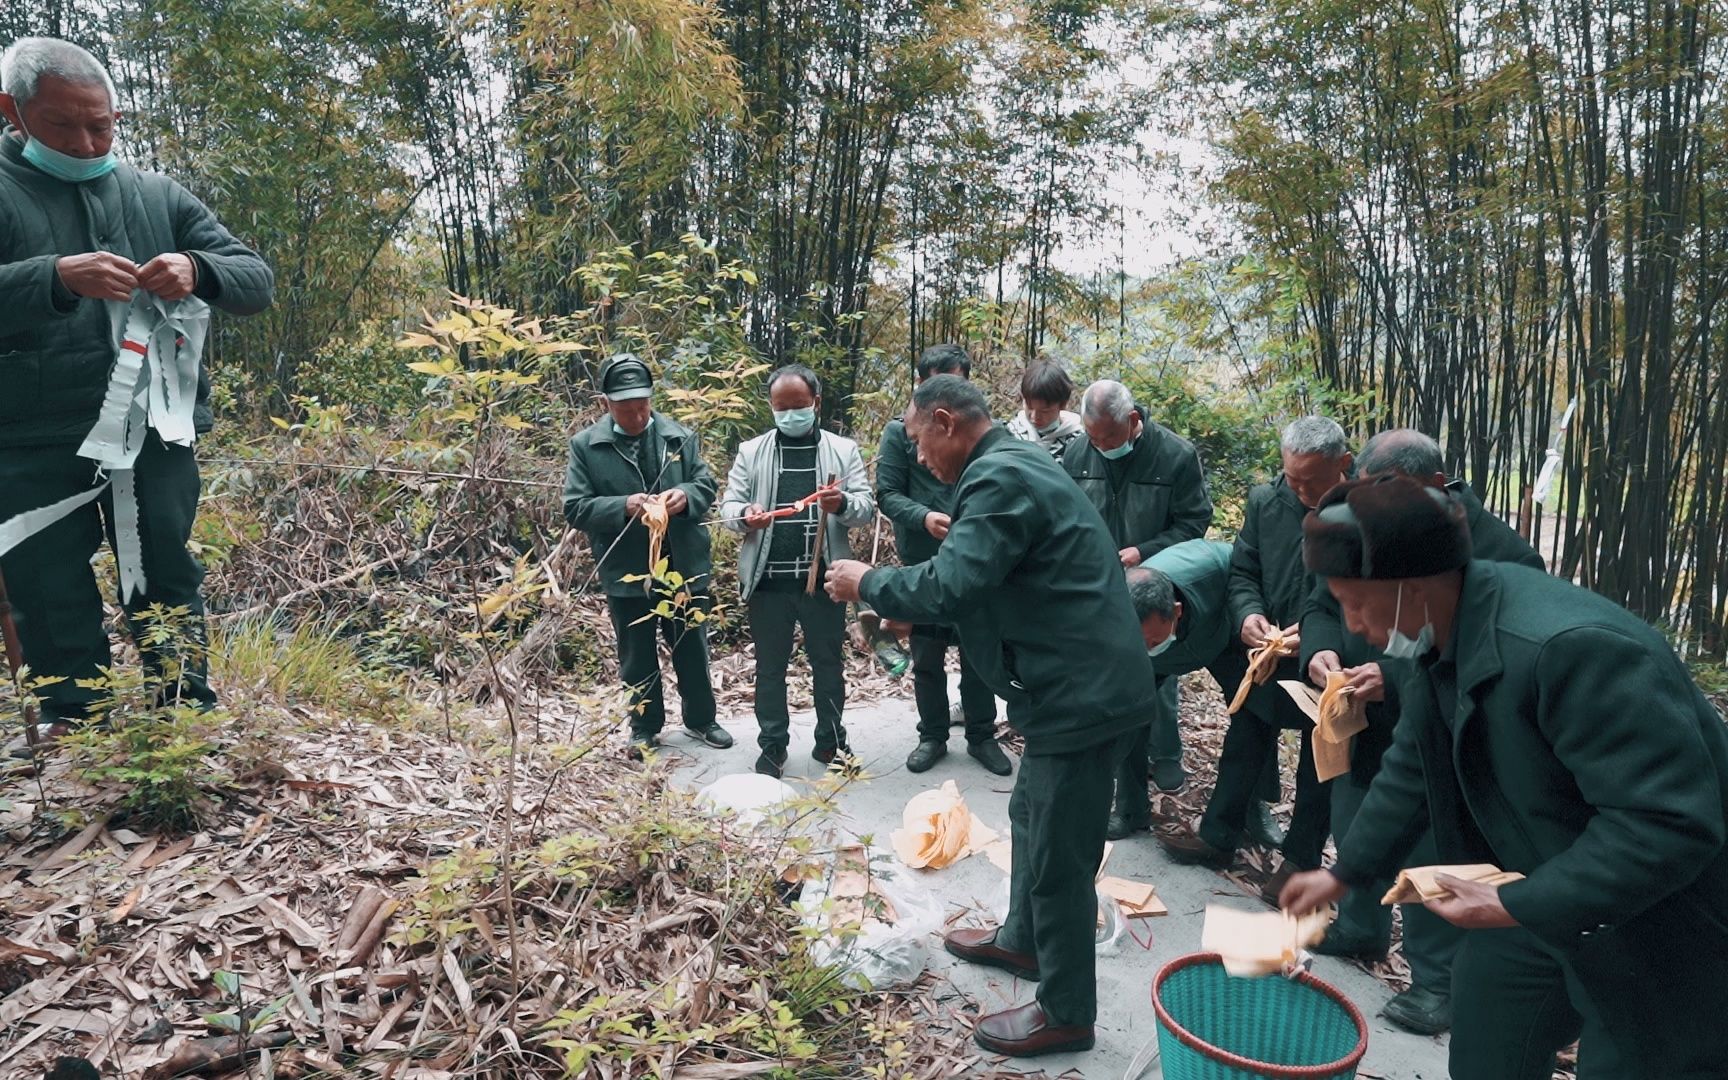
{"x": 805, "y": 503}
{"x": 1146, "y": 944}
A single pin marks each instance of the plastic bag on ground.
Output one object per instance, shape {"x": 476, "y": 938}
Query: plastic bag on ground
{"x": 752, "y": 796}
{"x": 877, "y": 927}
{"x": 1111, "y": 925}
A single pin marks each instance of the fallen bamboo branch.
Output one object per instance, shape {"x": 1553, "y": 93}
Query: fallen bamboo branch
{"x": 202, "y": 1057}
{"x": 365, "y": 906}
{"x": 373, "y": 934}
{"x": 425, "y": 474}
{"x": 340, "y": 579}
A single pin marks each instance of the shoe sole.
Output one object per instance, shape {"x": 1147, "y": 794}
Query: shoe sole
{"x": 1415, "y": 1029}
{"x": 1029, "y": 974}
{"x": 1069, "y": 1047}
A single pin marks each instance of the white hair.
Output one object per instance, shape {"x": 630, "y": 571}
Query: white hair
{"x": 30, "y": 58}
{"x": 1107, "y": 399}
{"x": 1315, "y": 435}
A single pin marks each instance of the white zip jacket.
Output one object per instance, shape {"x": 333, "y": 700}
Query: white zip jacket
{"x": 755, "y": 475}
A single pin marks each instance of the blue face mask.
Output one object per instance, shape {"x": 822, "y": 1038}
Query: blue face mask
{"x": 795, "y": 423}
{"x": 1117, "y": 453}
{"x": 73, "y": 170}
{"x": 1162, "y": 647}
{"x": 1400, "y": 646}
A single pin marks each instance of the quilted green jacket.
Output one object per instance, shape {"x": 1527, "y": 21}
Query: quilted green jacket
{"x": 55, "y": 347}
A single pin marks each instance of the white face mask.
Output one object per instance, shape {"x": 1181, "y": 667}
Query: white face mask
{"x": 1400, "y": 646}
{"x": 1162, "y": 647}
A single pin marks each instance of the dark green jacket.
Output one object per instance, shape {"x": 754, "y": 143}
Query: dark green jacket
{"x": 1030, "y": 578}
{"x": 1157, "y": 497}
{"x": 1589, "y": 762}
{"x": 1266, "y": 572}
{"x": 1200, "y": 570}
{"x": 56, "y": 348}
{"x": 1323, "y": 629}
{"x": 905, "y": 492}
{"x": 599, "y": 480}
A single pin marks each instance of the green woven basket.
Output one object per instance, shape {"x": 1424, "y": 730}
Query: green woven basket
{"x": 1214, "y": 1026}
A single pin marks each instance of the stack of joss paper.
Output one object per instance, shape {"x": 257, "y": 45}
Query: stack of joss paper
{"x": 1342, "y": 717}
{"x": 1253, "y": 943}
{"x": 937, "y": 830}
{"x": 1262, "y": 663}
{"x": 1418, "y": 884}
{"x": 1338, "y": 715}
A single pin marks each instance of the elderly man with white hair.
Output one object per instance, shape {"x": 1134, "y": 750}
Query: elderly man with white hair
{"x": 105, "y": 273}
{"x": 1268, "y": 589}
{"x": 1147, "y": 483}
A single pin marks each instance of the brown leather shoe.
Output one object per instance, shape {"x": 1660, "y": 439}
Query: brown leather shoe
{"x": 1024, "y": 1032}
{"x": 1186, "y": 846}
{"x": 978, "y": 946}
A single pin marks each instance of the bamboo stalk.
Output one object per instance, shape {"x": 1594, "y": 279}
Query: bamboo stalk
{"x": 811, "y": 584}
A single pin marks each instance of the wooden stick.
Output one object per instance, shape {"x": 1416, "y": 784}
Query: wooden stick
{"x": 15, "y": 663}
{"x": 821, "y": 535}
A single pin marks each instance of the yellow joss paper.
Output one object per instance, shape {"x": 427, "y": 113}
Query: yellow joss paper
{"x": 937, "y": 829}
{"x": 1254, "y": 943}
{"x": 1420, "y": 883}
{"x": 1262, "y": 663}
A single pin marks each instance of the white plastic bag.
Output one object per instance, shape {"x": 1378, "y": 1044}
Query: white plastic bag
{"x": 1112, "y": 925}
{"x": 877, "y": 954}
{"x": 752, "y": 796}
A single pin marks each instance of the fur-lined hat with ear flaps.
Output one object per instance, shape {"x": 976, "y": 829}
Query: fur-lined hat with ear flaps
{"x": 1385, "y": 528}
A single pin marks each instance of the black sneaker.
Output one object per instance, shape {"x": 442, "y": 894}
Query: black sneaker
{"x": 713, "y": 735}
{"x": 837, "y": 759}
{"x": 771, "y": 764}
{"x": 925, "y": 754}
{"x": 1169, "y": 775}
{"x": 640, "y": 744}
{"x": 1263, "y": 827}
{"x": 1120, "y": 828}
{"x": 988, "y": 753}
{"x": 827, "y": 755}
{"x": 1423, "y": 1011}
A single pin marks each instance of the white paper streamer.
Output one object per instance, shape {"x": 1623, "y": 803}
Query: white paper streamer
{"x": 19, "y": 529}
{"x": 153, "y": 385}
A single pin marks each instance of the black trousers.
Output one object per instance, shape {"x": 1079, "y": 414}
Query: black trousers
{"x": 55, "y": 599}
{"x": 930, "y": 688}
{"x": 776, "y": 611}
{"x": 1514, "y": 1007}
{"x": 1057, "y": 817}
{"x": 1250, "y": 740}
{"x": 1430, "y": 942}
{"x": 639, "y": 664}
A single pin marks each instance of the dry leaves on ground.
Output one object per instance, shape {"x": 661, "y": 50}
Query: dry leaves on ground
{"x": 358, "y": 897}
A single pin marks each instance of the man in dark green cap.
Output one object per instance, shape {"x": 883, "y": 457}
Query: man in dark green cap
{"x": 617, "y": 465}
{"x": 1028, "y": 578}
{"x": 102, "y": 266}
{"x": 1147, "y": 484}
{"x": 917, "y": 503}
{"x": 1550, "y": 733}
{"x": 1364, "y": 926}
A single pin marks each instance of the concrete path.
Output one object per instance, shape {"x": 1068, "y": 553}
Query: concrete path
{"x": 882, "y": 734}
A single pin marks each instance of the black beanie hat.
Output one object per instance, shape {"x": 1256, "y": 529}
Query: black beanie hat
{"x": 1384, "y": 528}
